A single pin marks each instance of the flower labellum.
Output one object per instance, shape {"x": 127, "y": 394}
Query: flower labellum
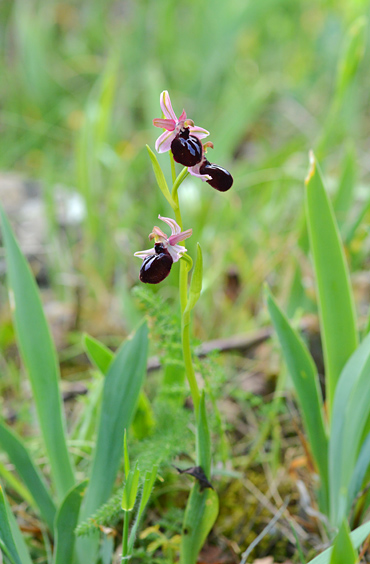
{"x": 157, "y": 262}
{"x": 174, "y": 126}
{"x": 156, "y": 268}
{"x": 186, "y": 149}
{"x": 220, "y": 178}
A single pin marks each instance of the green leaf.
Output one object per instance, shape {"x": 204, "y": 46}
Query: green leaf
{"x": 351, "y": 409}
{"x": 98, "y": 353}
{"x": 150, "y": 478}
{"x": 6, "y": 534}
{"x": 179, "y": 180}
{"x": 335, "y": 298}
{"x": 352, "y": 54}
{"x": 65, "y": 523}
{"x": 39, "y": 356}
{"x": 161, "y": 181}
{"x": 196, "y": 282}
{"x": 357, "y": 538}
{"x": 306, "y": 383}
{"x": 203, "y": 439}
{"x": 130, "y": 490}
{"x": 31, "y": 476}
{"x": 200, "y": 514}
{"x": 343, "y": 551}
{"x": 120, "y": 395}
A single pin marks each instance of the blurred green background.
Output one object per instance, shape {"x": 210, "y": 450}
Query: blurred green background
{"x": 270, "y": 80}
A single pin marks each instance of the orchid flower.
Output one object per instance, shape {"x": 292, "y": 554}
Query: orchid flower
{"x": 173, "y": 125}
{"x": 157, "y": 261}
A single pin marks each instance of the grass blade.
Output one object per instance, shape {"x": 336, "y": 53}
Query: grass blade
{"x": 39, "y": 356}
{"x": 306, "y": 382}
{"x": 31, "y": 476}
{"x": 65, "y": 524}
{"x": 335, "y": 298}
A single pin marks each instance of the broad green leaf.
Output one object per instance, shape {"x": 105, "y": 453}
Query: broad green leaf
{"x": 203, "y": 439}
{"x": 352, "y": 54}
{"x": 102, "y": 357}
{"x": 200, "y": 514}
{"x": 6, "y": 534}
{"x": 120, "y": 395}
{"x": 65, "y": 523}
{"x": 31, "y": 476}
{"x": 196, "y": 282}
{"x": 39, "y": 356}
{"x": 161, "y": 181}
{"x": 306, "y": 382}
{"x": 98, "y": 353}
{"x": 130, "y": 490}
{"x": 334, "y": 294}
{"x": 357, "y": 538}
{"x": 343, "y": 551}
{"x": 351, "y": 409}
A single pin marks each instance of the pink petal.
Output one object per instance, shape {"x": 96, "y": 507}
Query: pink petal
{"x": 144, "y": 254}
{"x": 166, "y": 106}
{"x": 164, "y": 141}
{"x": 168, "y": 124}
{"x": 183, "y": 116}
{"x": 198, "y": 131}
{"x": 173, "y": 239}
{"x": 175, "y": 228}
{"x": 157, "y": 234}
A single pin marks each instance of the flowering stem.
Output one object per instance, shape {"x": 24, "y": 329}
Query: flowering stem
{"x": 125, "y": 536}
{"x": 183, "y": 288}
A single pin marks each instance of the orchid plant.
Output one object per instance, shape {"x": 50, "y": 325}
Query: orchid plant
{"x": 183, "y": 140}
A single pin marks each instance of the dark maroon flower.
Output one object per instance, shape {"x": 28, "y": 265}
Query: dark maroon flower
{"x": 157, "y": 262}
{"x": 186, "y": 149}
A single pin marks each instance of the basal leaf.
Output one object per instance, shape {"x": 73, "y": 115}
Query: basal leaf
{"x": 39, "y": 356}
{"x": 334, "y": 294}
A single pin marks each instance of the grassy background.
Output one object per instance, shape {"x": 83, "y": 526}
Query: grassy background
{"x": 80, "y": 87}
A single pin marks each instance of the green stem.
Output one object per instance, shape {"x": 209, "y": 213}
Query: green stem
{"x": 126, "y": 521}
{"x": 183, "y": 289}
